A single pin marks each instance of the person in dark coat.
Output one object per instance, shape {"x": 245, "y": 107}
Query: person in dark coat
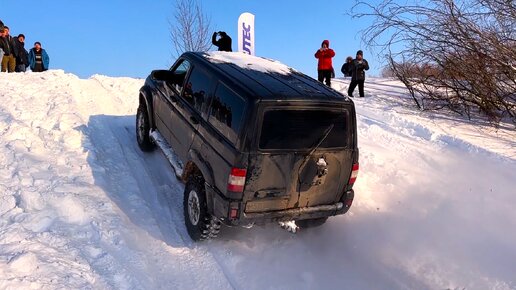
{"x": 346, "y": 67}
{"x": 22, "y": 55}
{"x": 7, "y": 44}
{"x": 224, "y": 41}
{"x": 38, "y": 58}
{"x": 324, "y": 64}
{"x": 358, "y": 68}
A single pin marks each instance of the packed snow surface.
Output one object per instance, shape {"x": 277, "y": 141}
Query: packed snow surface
{"x": 81, "y": 207}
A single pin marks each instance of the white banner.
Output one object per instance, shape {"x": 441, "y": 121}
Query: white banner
{"x": 246, "y": 33}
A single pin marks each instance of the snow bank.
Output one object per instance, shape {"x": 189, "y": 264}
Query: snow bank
{"x": 82, "y": 207}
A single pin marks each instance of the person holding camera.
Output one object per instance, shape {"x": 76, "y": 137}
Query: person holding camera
{"x": 358, "y": 68}
{"x": 224, "y": 41}
{"x": 324, "y": 64}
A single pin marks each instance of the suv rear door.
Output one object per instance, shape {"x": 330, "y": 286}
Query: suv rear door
{"x": 288, "y": 171}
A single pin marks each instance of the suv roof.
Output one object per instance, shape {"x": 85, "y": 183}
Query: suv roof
{"x": 268, "y": 79}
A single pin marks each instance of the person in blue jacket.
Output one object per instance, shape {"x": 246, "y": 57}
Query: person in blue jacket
{"x": 38, "y": 58}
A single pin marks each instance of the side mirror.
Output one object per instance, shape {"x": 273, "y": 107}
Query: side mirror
{"x": 163, "y": 75}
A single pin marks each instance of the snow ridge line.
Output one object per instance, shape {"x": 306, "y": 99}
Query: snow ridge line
{"x": 406, "y": 128}
{"x": 379, "y": 95}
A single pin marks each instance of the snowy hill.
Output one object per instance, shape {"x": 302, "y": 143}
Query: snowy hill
{"x": 82, "y": 207}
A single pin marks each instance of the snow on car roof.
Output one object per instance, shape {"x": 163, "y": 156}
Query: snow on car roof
{"x": 246, "y": 61}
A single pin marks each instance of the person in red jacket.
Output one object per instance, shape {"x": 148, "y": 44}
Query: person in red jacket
{"x": 324, "y": 65}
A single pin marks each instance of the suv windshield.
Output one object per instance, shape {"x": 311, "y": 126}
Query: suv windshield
{"x": 301, "y": 129}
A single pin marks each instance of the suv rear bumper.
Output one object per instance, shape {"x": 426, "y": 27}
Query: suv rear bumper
{"x": 296, "y": 213}
{"x": 221, "y": 208}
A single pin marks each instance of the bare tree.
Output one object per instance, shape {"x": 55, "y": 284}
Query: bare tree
{"x": 454, "y": 54}
{"x": 191, "y": 27}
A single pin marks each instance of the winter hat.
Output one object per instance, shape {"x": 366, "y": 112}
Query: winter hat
{"x": 360, "y": 52}
{"x": 327, "y": 42}
{"x": 37, "y": 42}
{"x": 21, "y": 35}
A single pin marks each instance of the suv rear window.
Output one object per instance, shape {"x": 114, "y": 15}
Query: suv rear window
{"x": 302, "y": 129}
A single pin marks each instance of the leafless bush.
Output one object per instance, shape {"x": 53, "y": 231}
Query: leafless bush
{"x": 190, "y": 30}
{"x": 453, "y": 54}
{"x": 387, "y": 72}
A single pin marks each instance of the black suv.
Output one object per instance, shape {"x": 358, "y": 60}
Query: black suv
{"x": 254, "y": 141}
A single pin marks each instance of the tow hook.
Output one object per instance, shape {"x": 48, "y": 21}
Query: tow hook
{"x": 289, "y": 226}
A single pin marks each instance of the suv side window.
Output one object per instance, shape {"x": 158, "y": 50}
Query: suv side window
{"x": 226, "y": 112}
{"x": 180, "y": 72}
{"x": 197, "y": 88}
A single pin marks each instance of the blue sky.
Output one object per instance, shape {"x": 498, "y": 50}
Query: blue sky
{"x": 131, "y": 38}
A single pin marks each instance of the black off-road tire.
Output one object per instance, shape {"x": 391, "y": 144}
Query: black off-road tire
{"x": 199, "y": 223}
{"x": 143, "y": 129}
{"x": 311, "y": 223}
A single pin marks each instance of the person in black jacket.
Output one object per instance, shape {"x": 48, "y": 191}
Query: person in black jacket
{"x": 8, "y": 46}
{"x": 22, "y": 55}
{"x": 358, "y": 68}
{"x": 346, "y": 67}
{"x": 223, "y": 43}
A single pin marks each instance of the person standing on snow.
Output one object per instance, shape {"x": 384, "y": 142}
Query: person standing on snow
{"x": 324, "y": 64}
{"x": 346, "y": 67}
{"x": 223, "y": 43}
{"x": 8, "y": 46}
{"x": 358, "y": 68}
{"x": 22, "y": 55}
{"x": 38, "y": 58}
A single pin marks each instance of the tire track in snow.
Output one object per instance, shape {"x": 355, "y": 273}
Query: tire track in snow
{"x": 170, "y": 194}
{"x": 166, "y": 246}
{"x": 155, "y": 162}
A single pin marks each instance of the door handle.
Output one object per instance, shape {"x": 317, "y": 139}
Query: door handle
{"x": 194, "y": 120}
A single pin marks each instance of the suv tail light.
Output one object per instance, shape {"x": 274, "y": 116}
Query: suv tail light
{"x": 236, "y": 180}
{"x": 354, "y": 174}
